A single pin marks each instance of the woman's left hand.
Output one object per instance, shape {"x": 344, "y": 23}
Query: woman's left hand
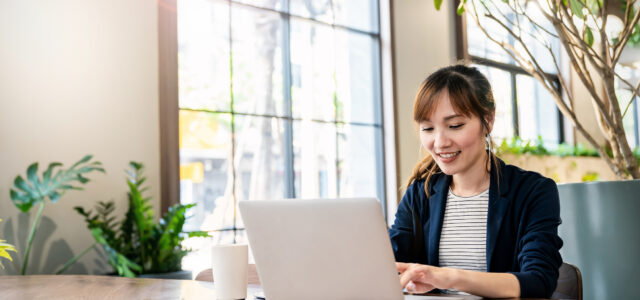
{"x": 417, "y": 278}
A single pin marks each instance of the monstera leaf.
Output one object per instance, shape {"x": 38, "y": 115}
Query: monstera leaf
{"x": 28, "y": 192}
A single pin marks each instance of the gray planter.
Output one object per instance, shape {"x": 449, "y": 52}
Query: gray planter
{"x": 173, "y": 275}
{"x": 600, "y": 229}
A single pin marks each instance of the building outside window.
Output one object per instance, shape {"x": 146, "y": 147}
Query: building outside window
{"x": 278, "y": 99}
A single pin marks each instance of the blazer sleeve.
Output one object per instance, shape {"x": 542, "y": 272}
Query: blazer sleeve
{"x": 539, "y": 246}
{"x": 407, "y": 247}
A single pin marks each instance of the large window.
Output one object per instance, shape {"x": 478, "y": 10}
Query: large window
{"x": 278, "y": 99}
{"x": 524, "y": 108}
{"x": 631, "y": 118}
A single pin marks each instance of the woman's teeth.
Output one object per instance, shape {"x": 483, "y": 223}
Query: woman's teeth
{"x": 449, "y": 155}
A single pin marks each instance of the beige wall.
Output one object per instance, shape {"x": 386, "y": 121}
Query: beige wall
{"x": 424, "y": 41}
{"x": 76, "y": 77}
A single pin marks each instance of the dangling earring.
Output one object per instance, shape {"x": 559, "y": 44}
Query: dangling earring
{"x": 488, "y": 140}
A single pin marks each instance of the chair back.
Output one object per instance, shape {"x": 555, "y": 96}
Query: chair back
{"x": 569, "y": 283}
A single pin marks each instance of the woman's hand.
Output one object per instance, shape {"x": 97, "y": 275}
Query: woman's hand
{"x": 417, "y": 278}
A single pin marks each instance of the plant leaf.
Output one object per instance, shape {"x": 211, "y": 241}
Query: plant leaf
{"x": 460, "y": 10}
{"x": 32, "y": 173}
{"x": 576, "y": 8}
{"x": 588, "y": 37}
{"x": 437, "y": 4}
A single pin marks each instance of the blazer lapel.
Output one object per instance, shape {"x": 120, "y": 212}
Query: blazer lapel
{"x": 498, "y": 205}
{"x": 437, "y": 204}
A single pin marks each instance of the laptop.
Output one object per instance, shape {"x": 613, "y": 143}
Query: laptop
{"x": 322, "y": 249}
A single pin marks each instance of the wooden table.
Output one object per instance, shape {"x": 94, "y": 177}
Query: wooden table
{"x": 34, "y": 287}
{"x": 104, "y": 287}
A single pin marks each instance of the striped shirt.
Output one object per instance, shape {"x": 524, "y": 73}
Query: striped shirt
{"x": 464, "y": 233}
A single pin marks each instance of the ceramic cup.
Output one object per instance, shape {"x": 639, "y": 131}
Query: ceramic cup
{"x": 229, "y": 264}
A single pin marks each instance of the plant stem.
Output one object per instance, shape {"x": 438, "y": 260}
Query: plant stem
{"x": 30, "y": 240}
{"x": 75, "y": 258}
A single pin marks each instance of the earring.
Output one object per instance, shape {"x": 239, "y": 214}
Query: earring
{"x": 488, "y": 141}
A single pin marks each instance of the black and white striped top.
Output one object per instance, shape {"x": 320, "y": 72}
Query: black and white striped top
{"x": 464, "y": 232}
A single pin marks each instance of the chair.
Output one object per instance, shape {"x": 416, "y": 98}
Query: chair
{"x": 206, "y": 275}
{"x": 569, "y": 283}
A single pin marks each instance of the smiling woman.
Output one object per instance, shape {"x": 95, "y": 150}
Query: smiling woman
{"x": 468, "y": 222}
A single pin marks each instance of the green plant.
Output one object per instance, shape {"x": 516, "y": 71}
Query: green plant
{"x": 4, "y": 250}
{"x": 137, "y": 244}
{"x": 592, "y": 48}
{"x": 27, "y": 193}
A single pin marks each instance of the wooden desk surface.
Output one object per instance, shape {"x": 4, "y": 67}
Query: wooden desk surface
{"x": 104, "y": 287}
{"x": 34, "y": 287}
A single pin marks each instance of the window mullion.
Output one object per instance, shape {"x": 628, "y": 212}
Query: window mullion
{"x": 514, "y": 105}
{"x": 286, "y": 93}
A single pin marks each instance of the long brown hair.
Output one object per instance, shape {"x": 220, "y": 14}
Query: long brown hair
{"x": 470, "y": 95}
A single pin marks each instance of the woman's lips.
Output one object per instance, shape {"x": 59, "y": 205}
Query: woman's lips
{"x": 447, "y": 157}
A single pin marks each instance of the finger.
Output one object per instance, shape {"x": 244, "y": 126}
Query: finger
{"x": 401, "y": 267}
{"x": 420, "y": 287}
{"x": 407, "y": 275}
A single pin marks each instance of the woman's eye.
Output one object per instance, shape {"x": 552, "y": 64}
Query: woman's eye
{"x": 456, "y": 126}
{"x": 427, "y": 129}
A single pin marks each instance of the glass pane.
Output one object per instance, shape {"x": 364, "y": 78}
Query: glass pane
{"x": 257, "y": 61}
{"x": 203, "y": 55}
{"x": 537, "y": 112}
{"x": 357, "y": 78}
{"x": 270, "y": 4}
{"x": 259, "y": 160}
{"x": 205, "y": 172}
{"x": 501, "y": 85}
{"x": 360, "y": 161}
{"x": 628, "y": 121}
{"x": 358, "y": 14}
{"x": 320, "y": 10}
{"x": 314, "y": 160}
{"x": 312, "y": 71}
{"x": 480, "y": 45}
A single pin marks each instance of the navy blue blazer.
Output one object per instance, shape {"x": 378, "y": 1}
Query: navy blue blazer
{"x": 522, "y": 227}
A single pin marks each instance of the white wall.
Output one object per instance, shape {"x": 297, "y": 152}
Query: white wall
{"x": 76, "y": 77}
{"x": 424, "y": 41}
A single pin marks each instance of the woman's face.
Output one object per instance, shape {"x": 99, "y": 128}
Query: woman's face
{"x": 456, "y": 142}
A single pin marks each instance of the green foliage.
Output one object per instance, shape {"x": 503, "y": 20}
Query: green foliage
{"x": 590, "y": 176}
{"x": 4, "y": 250}
{"x": 139, "y": 245}
{"x": 517, "y": 146}
{"x": 33, "y": 190}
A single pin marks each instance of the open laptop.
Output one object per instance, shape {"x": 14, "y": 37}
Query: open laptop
{"x": 322, "y": 249}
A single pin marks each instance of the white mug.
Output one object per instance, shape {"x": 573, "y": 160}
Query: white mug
{"x": 229, "y": 264}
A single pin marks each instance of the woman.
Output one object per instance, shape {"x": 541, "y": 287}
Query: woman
{"x": 479, "y": 226}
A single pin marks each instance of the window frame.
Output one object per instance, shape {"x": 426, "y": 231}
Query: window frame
{"x": 462, "y": 52}
{"x": 169, "y": 104}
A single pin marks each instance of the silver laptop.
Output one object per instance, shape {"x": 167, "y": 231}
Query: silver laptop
{"x": 322, "y": 249}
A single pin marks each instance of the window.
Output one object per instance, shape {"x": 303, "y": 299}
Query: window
{"x": 524, "y": 108}
{"x": 630, "y": 120}
{"x": 278, "y": 99}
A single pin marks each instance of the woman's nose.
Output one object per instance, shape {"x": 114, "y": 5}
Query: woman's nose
{"x": 441, "y": 140}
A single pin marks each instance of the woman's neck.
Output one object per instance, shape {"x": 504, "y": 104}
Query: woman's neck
{"x": 473, "y": 182}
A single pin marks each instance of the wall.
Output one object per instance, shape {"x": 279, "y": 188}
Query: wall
{"x": 424, "y": 41}
{"x": 76, "y": 77}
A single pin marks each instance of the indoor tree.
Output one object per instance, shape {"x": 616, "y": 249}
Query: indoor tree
{"x": 593, "y": 47}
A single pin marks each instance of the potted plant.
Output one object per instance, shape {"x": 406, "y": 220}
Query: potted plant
{"x": 52, "y": 184}
{"x": 137, "y": 245}
{"x": 599, "y": 218}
